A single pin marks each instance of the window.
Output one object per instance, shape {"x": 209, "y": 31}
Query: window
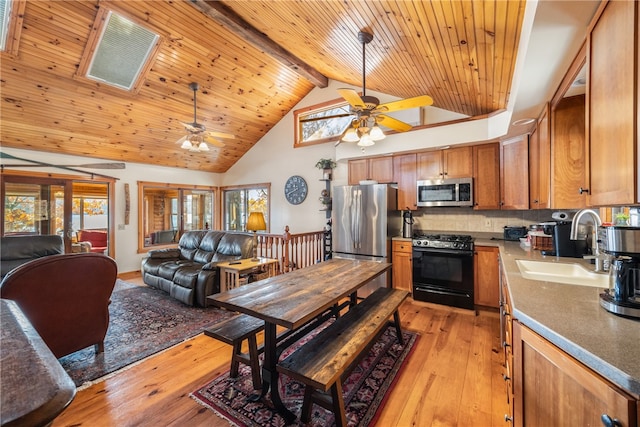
{"x": 121, "y": 51}
{"x": 238, "y": 202}
{"x": 168, "y": 210}
{"x": 321, "y": 123}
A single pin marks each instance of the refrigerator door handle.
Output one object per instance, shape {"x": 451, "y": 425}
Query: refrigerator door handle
{"x": 358, "y": 223}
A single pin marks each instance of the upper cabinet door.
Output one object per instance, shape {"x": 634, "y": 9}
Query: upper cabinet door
{"x": 612, "y": 105}
{"x": 429, "y": 165}
{"x": 458, "y": 162}
{"x": 486, "y": 176}
{"x": 514, "y": 173}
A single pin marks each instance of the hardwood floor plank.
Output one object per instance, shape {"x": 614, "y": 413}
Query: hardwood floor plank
{"x": 453, "y": 377}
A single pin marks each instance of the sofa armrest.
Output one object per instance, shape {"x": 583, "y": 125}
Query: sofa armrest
{"x": 210, "y": 265}
{"x": 167, "y": 253}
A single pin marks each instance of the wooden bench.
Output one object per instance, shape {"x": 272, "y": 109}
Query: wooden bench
{"x": 327, "y": 358}
{"x": 233, "y": 331}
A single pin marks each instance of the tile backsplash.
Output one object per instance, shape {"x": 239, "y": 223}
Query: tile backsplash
{"x": 465, "y": 219}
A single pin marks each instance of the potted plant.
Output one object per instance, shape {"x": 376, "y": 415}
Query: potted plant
{"x": 326, "y": 165}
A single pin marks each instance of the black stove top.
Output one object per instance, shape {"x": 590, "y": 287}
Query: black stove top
{"x": 443, "y": 241}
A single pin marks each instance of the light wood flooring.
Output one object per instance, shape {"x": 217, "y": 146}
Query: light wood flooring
{"x": 452, "y": 378}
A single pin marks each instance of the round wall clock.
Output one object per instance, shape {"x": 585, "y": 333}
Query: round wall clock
{"x": 295, "y": 190}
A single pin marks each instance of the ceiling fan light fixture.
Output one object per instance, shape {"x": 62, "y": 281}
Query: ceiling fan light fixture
{"x": 376, "y": 133}
{"x": 351, "y": 135}
{"x": 186, "y": 145}
{"x": 366, "y": 141}
{"x": 203, "y": 146}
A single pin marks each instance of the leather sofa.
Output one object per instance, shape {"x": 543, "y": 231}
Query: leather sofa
{"x": 97, "y": 238}
{"x": 189, "y": 273}
{"x": 66, "y": 298}
{"x": 17, "y": 250}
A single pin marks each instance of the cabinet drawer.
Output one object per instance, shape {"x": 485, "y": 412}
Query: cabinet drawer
{"x": 402, "y": 246}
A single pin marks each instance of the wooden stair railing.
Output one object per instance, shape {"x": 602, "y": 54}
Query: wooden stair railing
{"x": 293, "y": 251}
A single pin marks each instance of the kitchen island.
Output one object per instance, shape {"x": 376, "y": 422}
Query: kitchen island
{"x": 570, "y": 317}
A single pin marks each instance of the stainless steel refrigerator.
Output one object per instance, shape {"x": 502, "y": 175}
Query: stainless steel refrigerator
{"x": 365, "y": 218}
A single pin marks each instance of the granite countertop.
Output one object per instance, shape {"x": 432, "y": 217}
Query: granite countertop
{"x": 571, "y": 317}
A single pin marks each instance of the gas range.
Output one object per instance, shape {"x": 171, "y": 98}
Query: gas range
{"x": 443, "y": 241}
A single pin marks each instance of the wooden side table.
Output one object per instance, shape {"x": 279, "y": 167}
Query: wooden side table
{"x": 230, "y": 272}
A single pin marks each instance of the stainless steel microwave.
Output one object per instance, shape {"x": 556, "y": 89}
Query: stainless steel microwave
{"x": 445, "y": 192}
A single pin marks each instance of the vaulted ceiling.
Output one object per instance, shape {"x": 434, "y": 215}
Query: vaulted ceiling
{"x": 254, "y": 61}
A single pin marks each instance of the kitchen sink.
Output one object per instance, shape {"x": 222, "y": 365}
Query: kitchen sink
{"x": 562, "y": 272}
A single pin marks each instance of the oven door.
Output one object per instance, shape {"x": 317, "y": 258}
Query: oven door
{"x": 443, "y": 276}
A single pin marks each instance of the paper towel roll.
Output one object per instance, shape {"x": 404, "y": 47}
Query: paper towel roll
{"x": 560, "y": 216}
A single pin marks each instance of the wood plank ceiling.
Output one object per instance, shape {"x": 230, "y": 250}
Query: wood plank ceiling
{"x": 254, "y": 60}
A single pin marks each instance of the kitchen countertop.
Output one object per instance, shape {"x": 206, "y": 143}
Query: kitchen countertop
{"x": 570, "y": 316}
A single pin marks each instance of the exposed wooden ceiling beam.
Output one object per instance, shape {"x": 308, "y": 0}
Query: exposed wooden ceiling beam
{"x": 233, "y": 22}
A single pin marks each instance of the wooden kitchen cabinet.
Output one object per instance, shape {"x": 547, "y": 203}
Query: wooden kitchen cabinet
{"x": 450, "y": 163}
{"x": 486, "y": 284}
{"x": 612, "y": 104}
{"x": 514, "y": 173}
{"x": 404, "y": 173}
{"x": 540, "y": 163}
{"x": 551, "y": 388}
{"x": 374, "y": 168}
{"x": 486, "y": 176}
{"x": 402, "y": 264}
{"x": 506, "y": 338}
{"x": 568, "y": 151}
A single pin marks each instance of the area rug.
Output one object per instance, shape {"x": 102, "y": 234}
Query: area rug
{"x": 364, "y": 390}
{"x": 143, "y": 321}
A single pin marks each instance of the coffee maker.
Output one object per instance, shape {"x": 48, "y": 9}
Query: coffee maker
{"x": 623, "y": 295}
{"x": 562, "y": 244}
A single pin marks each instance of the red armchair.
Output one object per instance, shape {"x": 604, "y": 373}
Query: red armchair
{"x": 66, "y": 298}
{"x": 97, "y": 238}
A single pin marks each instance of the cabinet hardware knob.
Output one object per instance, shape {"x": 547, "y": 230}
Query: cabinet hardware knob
{"x": 506, "y": 344}
{"x": 536, "y": 201}
{"x": 506, "y": 313}
{"x": 608, "y": 422}
{"x": 583, "y": 190}
{"x": 507, "y": 418}
{"x": 505, "y": 377}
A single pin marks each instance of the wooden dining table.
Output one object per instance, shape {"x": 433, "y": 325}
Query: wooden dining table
{"x": 293, "y": 300}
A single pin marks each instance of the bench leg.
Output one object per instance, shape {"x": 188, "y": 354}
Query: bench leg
{"x": 254, "y": 362}
{"x": 396, "y": 320}
{"x": 338, "y": 404}
{"x": 307, "y": 403}
{"x": 236, "y": 357}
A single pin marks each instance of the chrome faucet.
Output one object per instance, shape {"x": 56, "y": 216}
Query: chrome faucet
{"x": 597, "y": 222}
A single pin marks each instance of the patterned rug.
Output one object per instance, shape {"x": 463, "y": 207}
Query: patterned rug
{"x": 143, "y": 321}
{"x": 364, "y": 390}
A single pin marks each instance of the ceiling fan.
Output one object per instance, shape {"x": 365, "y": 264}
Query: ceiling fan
{"x": 197, "y": 134}
{"x": 368, "y": 111}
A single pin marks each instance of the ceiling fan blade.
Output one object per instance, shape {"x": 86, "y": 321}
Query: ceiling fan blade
{"x": 352, "y": 97}
{"x": 193, "y": 127}
{"x": 403, "y": 104}
{"x": 214, "y": 141}
{"x": 392, "y": 123}
{"x": 216, "y": 134}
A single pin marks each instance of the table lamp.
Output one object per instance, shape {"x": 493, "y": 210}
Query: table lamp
{"x": 255, "y": 223}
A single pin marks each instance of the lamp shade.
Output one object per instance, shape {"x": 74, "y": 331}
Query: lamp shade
{"x": 256, "y": 222}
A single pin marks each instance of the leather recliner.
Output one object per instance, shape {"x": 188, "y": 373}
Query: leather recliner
{"x": 17, "y": 250}
{"x": 189, "y": 273}
{"x": 66, "y": 298}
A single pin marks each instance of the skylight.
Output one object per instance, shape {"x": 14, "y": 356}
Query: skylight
{"x": 5, "y": 14}
{"x": 122, "y": 52}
